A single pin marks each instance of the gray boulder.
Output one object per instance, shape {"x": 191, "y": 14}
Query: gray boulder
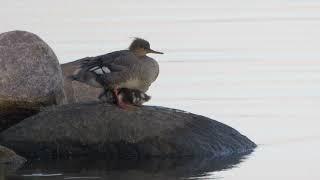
{"x": 30, "y": 76}
{"x": 105, "y": 131}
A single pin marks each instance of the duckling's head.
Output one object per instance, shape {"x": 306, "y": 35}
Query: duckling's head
{"x": 141, "y": 47}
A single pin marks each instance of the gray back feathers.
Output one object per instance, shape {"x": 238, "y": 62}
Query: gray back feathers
{"x": 118, "y": 69}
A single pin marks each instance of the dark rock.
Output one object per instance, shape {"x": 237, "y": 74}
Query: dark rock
{"x": 30, "y": 77}
{"x": 106, "y": 131}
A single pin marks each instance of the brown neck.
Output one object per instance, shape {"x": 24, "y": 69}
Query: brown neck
{"x": 140, "y": 52}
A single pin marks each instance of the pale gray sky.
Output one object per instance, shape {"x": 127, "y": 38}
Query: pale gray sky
{"x": 286, "y": 29}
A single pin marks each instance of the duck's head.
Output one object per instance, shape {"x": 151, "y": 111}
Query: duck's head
{"x": 141, "y": 47}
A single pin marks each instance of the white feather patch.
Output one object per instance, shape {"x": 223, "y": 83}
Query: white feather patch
{"x": 101, "y": 70}
{"x": 106, "y": 70}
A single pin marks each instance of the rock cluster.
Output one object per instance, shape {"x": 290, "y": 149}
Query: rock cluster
{"x": 62, "y": 118}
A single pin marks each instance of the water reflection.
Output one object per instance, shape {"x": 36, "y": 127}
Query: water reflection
{"x": 147, "y": 169}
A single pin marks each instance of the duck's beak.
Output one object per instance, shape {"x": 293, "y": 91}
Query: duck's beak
{"x": 153, "y": 51}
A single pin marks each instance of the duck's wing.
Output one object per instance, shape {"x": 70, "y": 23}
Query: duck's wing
{"x": 108, "y": 70}
{"x": 122, "y": 69}
{"x": 103, "y": 61}
{"x": 92, "y": 67}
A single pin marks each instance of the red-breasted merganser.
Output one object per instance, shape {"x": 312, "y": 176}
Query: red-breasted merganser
{"x": 130, "y": 69}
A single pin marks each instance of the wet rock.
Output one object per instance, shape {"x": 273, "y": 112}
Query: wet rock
{"x": 105, "y": 131}
{"x": 30, "y": 77}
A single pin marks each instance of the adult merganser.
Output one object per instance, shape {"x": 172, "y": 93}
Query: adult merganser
{"x": 130, "y": 69}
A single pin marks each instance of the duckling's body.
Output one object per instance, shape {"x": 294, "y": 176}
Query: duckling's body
{"x": 128, "y": 96}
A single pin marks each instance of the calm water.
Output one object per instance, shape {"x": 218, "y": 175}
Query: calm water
{"x": 252, "y": 64}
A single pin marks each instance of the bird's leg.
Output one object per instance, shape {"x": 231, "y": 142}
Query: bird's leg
{"x": 119, "y": 100}
{"x": 106, "y": 96}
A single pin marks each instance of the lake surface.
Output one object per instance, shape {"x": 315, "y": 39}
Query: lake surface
{"x": 251, "y": 64}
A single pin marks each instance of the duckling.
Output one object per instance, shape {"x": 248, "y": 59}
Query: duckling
{"x": 130, "y": 97}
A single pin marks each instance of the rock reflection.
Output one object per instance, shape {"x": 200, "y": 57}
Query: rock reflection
{"x": 157, "y": 169}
